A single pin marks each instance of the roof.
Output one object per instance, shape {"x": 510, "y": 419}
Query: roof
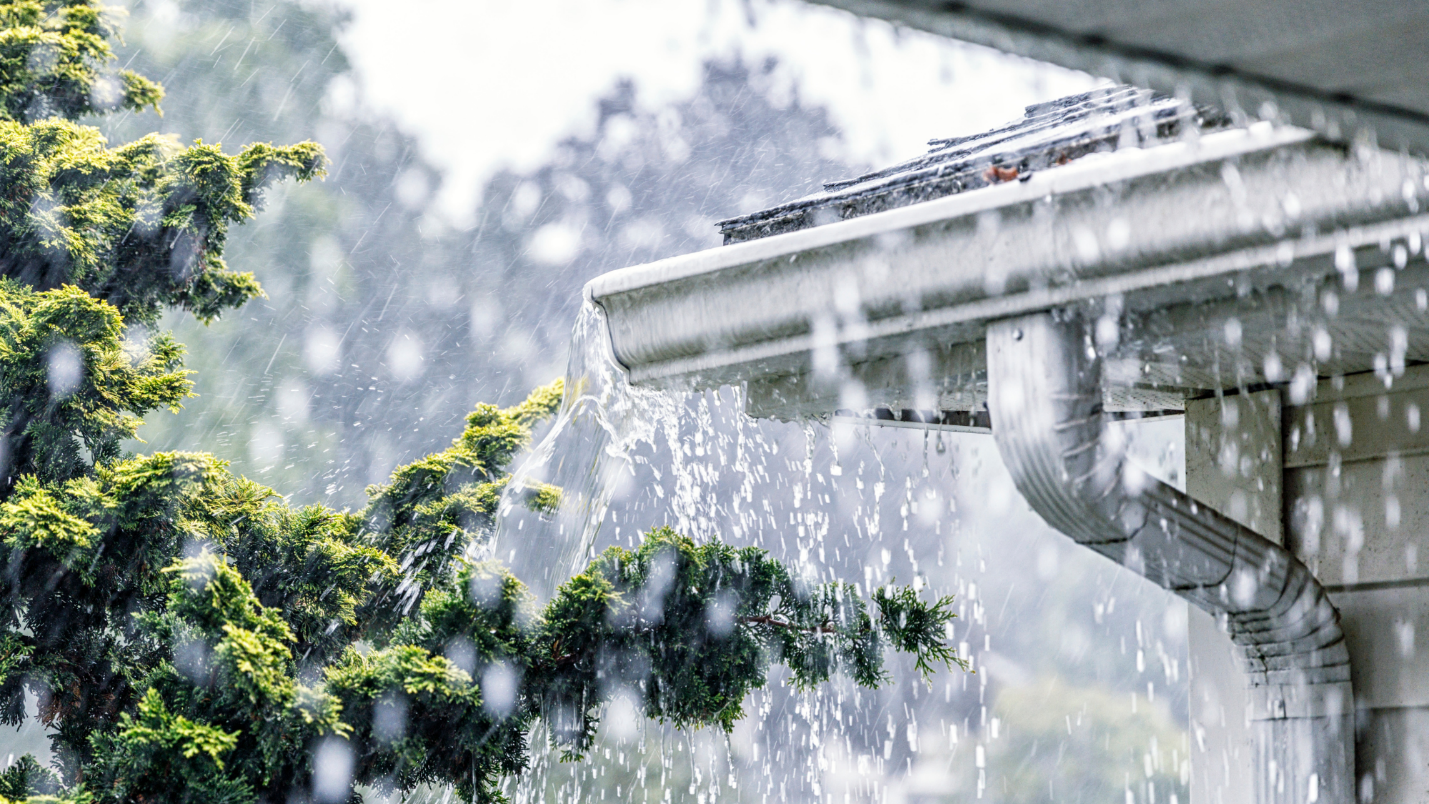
{"x": 1048, "y": 135}
{"x": 1233, "y": 258}
{"x": 1336, "y": 67}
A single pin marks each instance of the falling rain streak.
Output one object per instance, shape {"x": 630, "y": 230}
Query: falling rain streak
{"x": 1072, "y": 656}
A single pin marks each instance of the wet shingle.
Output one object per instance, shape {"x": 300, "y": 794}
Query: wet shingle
{"x": 1049, "y": 134}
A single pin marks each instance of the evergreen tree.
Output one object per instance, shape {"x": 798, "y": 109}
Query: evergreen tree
{"x": 193, "y": 637}
{"x": 299, "y": 389}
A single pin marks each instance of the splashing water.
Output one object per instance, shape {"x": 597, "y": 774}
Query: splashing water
{"x": 601, "y": 420}
{"x": 866, "y": 505}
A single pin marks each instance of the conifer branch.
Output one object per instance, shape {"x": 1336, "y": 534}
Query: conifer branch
{"x": 824, "y": 628}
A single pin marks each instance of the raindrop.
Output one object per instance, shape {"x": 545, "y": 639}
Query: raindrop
{"x": 1343, "y": 426}
{"x": 1345, "y": 264}
{"x": 332, "y": 771}
{"x": 498, "y": 689}
{"x": 64, "y": 369}
{"x": 1243, "y": 587}
{"x": 389, "y": 718}
{"x": 1302, "y": 385}
{"x": 1118, "y": 234}
{"x": 719, "y": 615}
{"x": 462, "y": 653}
{"x": 618, "y": 199}
{"x": 1085, "y": 242}
{"x": 1273, "y": 367}
{"x": 555, "y": 244}
{"x": 1384, "y": 281}
{"x": 1233, "y": 332}
{"x": 1322, "y": 343}
{"x": 322, "y": 350}
{"x": 622, "y": 716}
{"x": 405, "y": 356}
{"x": 1107, "y": 332}
{"x": 1291, "y": 204}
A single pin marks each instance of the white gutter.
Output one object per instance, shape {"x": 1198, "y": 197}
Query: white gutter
{"x": 1044, "y": 396}
{"x": 1171, "y": 223}
{"x": 1079, "y": 175}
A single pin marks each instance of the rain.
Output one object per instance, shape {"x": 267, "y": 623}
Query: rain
{"x": 1130, "y": 372}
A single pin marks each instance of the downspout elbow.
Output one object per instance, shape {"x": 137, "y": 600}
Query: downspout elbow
{"x": 1044, "y": 395}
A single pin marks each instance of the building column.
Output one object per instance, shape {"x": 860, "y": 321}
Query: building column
{"x": 1357, "y": 512}
{"x": 1233, "y": 463}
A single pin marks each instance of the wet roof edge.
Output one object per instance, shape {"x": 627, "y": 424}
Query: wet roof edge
{"x": 1338, "y": 118}
{"x": 751, "y": 309}
{"x": 1079, "y": 175}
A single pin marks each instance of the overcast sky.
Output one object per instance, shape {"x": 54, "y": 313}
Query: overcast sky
{"x": 487, "y": 83}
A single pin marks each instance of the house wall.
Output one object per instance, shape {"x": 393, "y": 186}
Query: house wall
{"x": 1348, "y": 475}
{"x": 1233, "y": 452}
{"x": 1357, "y": 512}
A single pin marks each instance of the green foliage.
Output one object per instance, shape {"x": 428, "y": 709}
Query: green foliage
{"x": 223, "y": 710}
{"x": 73, "y": 388}
{"x": 140, "y": 226}
{"x": 694, "y": 627}
{"x": 55, "y": 61}
{"x": 191, "y": 636}
{"x": 917, "y": 628}
{"x": 27, "y": 778}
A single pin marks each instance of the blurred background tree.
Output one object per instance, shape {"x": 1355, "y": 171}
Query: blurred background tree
{"x": 383, "y": 324}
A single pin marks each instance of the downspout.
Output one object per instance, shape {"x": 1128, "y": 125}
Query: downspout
{"x": 1044, "y": 396}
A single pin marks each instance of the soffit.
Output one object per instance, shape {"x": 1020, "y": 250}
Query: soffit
{"x": 1338, "y": 67}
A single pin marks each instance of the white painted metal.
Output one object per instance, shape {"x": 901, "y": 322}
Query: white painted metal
{"x": 1188, "y": 223}
{"x": 695, "y": 315}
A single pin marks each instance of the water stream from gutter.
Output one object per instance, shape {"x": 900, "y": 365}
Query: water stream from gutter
{"x": 864, "y": 505}
{"x": 601, "y": 421}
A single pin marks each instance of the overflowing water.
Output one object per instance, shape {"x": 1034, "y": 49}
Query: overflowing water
{"x": 585, "y": 454}
{"x": 1055, "y": 633}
